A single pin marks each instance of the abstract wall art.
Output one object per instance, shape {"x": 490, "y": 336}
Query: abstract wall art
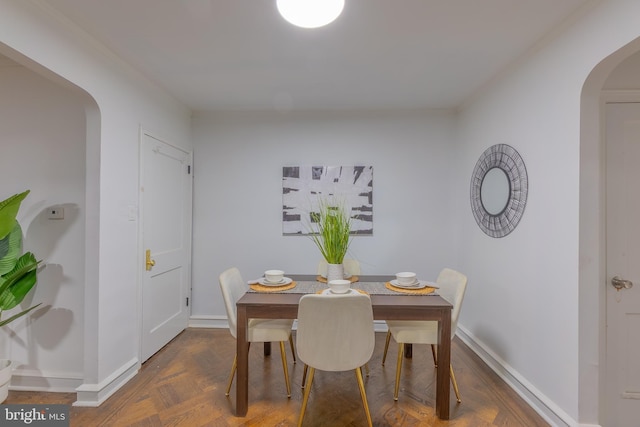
{"x": 303, "y": 187}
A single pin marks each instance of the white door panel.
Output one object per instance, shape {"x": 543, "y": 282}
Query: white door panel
{"x": 166, "y": 234}
{"x": 623, "y": 260}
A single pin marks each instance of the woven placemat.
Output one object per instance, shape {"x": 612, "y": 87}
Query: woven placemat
{"x": 261, "y": 288}
{"x": 423, "y": 291}
{"x": 353, "y": 279}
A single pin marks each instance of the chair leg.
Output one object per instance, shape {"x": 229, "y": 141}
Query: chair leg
{"x": 283, "y": 354}
{"x": 233, "y": 373}
{"x": 433, "y": 353}
{"x": 364, "y": 397}
{"x": 386, "y": 347}
{"x": 398, "y": 370}
{"x": 304, "y": 374}
{"x": 305, "y": 399}
{"x": 455, "y": 384}
{"x": 293, "y": 348}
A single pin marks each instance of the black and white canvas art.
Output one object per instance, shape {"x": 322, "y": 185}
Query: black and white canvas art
{"x": 304, "y": 187}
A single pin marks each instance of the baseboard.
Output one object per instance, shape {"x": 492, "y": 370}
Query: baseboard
{"x": 50, "y": 382}
{"x": 93, "y": 395}
{"x": 219, "y": 322}
{"x": 534, "y": 397}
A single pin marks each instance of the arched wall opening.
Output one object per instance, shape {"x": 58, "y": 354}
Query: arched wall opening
{"x": 592, "y": 267}
{"x": 59, "y": 128}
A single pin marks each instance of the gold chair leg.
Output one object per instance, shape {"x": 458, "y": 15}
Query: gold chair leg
{"x": 398, "y": 369}
{"x": 293, "y": 348}
{"x": 433, "y": 353}
{"x": 233, "y": 373}
{"x": 304, "y": 374}
{"x": 455, "y": 384}
{"x": 305, "y": 399}
{"x": 364, "y": 397}
{"x": 386, "y": 347}
{"x": 283, "y": 354}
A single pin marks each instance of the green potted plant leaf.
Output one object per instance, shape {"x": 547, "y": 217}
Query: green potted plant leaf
{"x": 17, "y": 273}
{"x": 333, "y": 235}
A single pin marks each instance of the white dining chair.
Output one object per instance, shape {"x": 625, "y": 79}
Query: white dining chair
{"x": 260, "y": 330}
{"x": 335, "y": 333}
{"x": 351, "y": 267}
{"x": 451, "y": 286}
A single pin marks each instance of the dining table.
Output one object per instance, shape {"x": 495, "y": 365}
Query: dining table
{"x": 387, "y": 305}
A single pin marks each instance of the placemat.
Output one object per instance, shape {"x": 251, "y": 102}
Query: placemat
{"x": 321, "y": 279}
{"x": 423, "y": 291}
{"x": 261, "y": 288}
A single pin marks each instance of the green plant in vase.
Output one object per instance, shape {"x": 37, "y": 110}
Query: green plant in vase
{"x": 17, "y": 270}
{"x": 334, "y": 235}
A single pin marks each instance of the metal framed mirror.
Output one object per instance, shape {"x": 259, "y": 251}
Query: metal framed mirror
{"x": 499, "y": 187}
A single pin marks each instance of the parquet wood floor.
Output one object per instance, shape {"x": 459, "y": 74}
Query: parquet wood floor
{"x": 184, "y": 383}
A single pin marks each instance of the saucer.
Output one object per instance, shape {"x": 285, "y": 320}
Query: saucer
{"x": 330, "y": 292}
{"x": 284, "y": 281}
{"x": 415, "y": 285}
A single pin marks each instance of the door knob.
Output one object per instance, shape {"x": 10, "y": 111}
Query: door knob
{"x": 149, "y": 262}
{"x": 619, "y": 283}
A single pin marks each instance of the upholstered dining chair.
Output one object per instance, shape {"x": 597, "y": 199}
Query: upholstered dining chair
{"x": 260, "y": 330}
{"x": 452, "y": 286}
{"x": 335, "y": 333}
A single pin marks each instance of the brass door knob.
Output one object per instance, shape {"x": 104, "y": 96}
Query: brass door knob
{"x": 149, "y": 262}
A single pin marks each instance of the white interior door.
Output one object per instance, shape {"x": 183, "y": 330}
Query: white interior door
{"x": 623, "y": 261}
{"x": 166, "y": 237}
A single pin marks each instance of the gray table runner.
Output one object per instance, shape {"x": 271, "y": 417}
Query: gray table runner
{"x": 311, "y": 287}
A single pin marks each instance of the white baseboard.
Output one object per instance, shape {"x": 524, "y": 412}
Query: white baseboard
{"x": 50, "y": 382}
{"x": 218, "y": 322}
{"x": 534, "y": 397}
{"x": 93, "y": 395}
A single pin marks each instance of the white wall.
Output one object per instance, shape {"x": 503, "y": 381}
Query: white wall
{"x": 42, "y": 140}
{"x": 238, "y": 192}
{"x": 118, "y": 103}
{"x": 522, "y": 305}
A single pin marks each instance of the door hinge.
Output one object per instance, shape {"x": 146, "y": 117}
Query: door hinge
{"x": 189, "y": 169}
{"x": 187, "y": 301}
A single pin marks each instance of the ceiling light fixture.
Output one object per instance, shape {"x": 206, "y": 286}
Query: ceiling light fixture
{"x": 310, "y": 13}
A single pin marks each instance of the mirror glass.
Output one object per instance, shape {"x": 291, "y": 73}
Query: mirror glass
{"x": 494, "y": 191}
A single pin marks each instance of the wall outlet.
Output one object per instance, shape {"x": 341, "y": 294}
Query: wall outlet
{"x": 55, "y": 212}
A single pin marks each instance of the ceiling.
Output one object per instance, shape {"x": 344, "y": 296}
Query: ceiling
{"x": 379, "y": 54}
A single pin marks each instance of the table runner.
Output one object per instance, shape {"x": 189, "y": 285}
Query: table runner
{"x": 311, "y": 287}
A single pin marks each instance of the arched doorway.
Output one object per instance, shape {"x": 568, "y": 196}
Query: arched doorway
{"x": 592, "y": 269}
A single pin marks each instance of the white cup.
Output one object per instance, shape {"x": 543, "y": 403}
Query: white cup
{"x": 339, "y": 286}
{"x": 406, "y": 278}
{"x": 274, "y": 276}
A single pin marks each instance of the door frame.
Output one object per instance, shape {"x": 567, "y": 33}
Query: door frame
{"x": 140, "y": 258}
{"x": 607, "y": 97}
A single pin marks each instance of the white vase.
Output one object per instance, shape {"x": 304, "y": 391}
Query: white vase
{"x": 5, "y": 378}
{"x": 335, "y": 272}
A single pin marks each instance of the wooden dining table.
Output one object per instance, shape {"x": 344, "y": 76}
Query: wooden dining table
{"x": 276, "y": 305}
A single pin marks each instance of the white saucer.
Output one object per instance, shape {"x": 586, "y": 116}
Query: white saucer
{"x": 330, "y": 292}
{"x": 418, "y": 284}
{"x": 283, "y": 282}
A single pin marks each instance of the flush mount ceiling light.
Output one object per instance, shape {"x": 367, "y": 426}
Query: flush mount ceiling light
{"x": 310, "y": 13}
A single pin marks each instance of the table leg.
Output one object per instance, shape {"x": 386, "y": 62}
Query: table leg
{"x": 408, "y": 351}
{"x": 267, "y": 349}
{"x": 242, "y": 373}
{"x": 444, "y": 361}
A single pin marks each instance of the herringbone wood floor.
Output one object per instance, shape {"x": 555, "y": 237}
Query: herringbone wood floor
{"x": 184, "y": 383}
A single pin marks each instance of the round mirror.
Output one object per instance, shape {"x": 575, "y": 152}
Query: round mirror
{"x": 499, "y": 187}
{"x": 494, "y": 191}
